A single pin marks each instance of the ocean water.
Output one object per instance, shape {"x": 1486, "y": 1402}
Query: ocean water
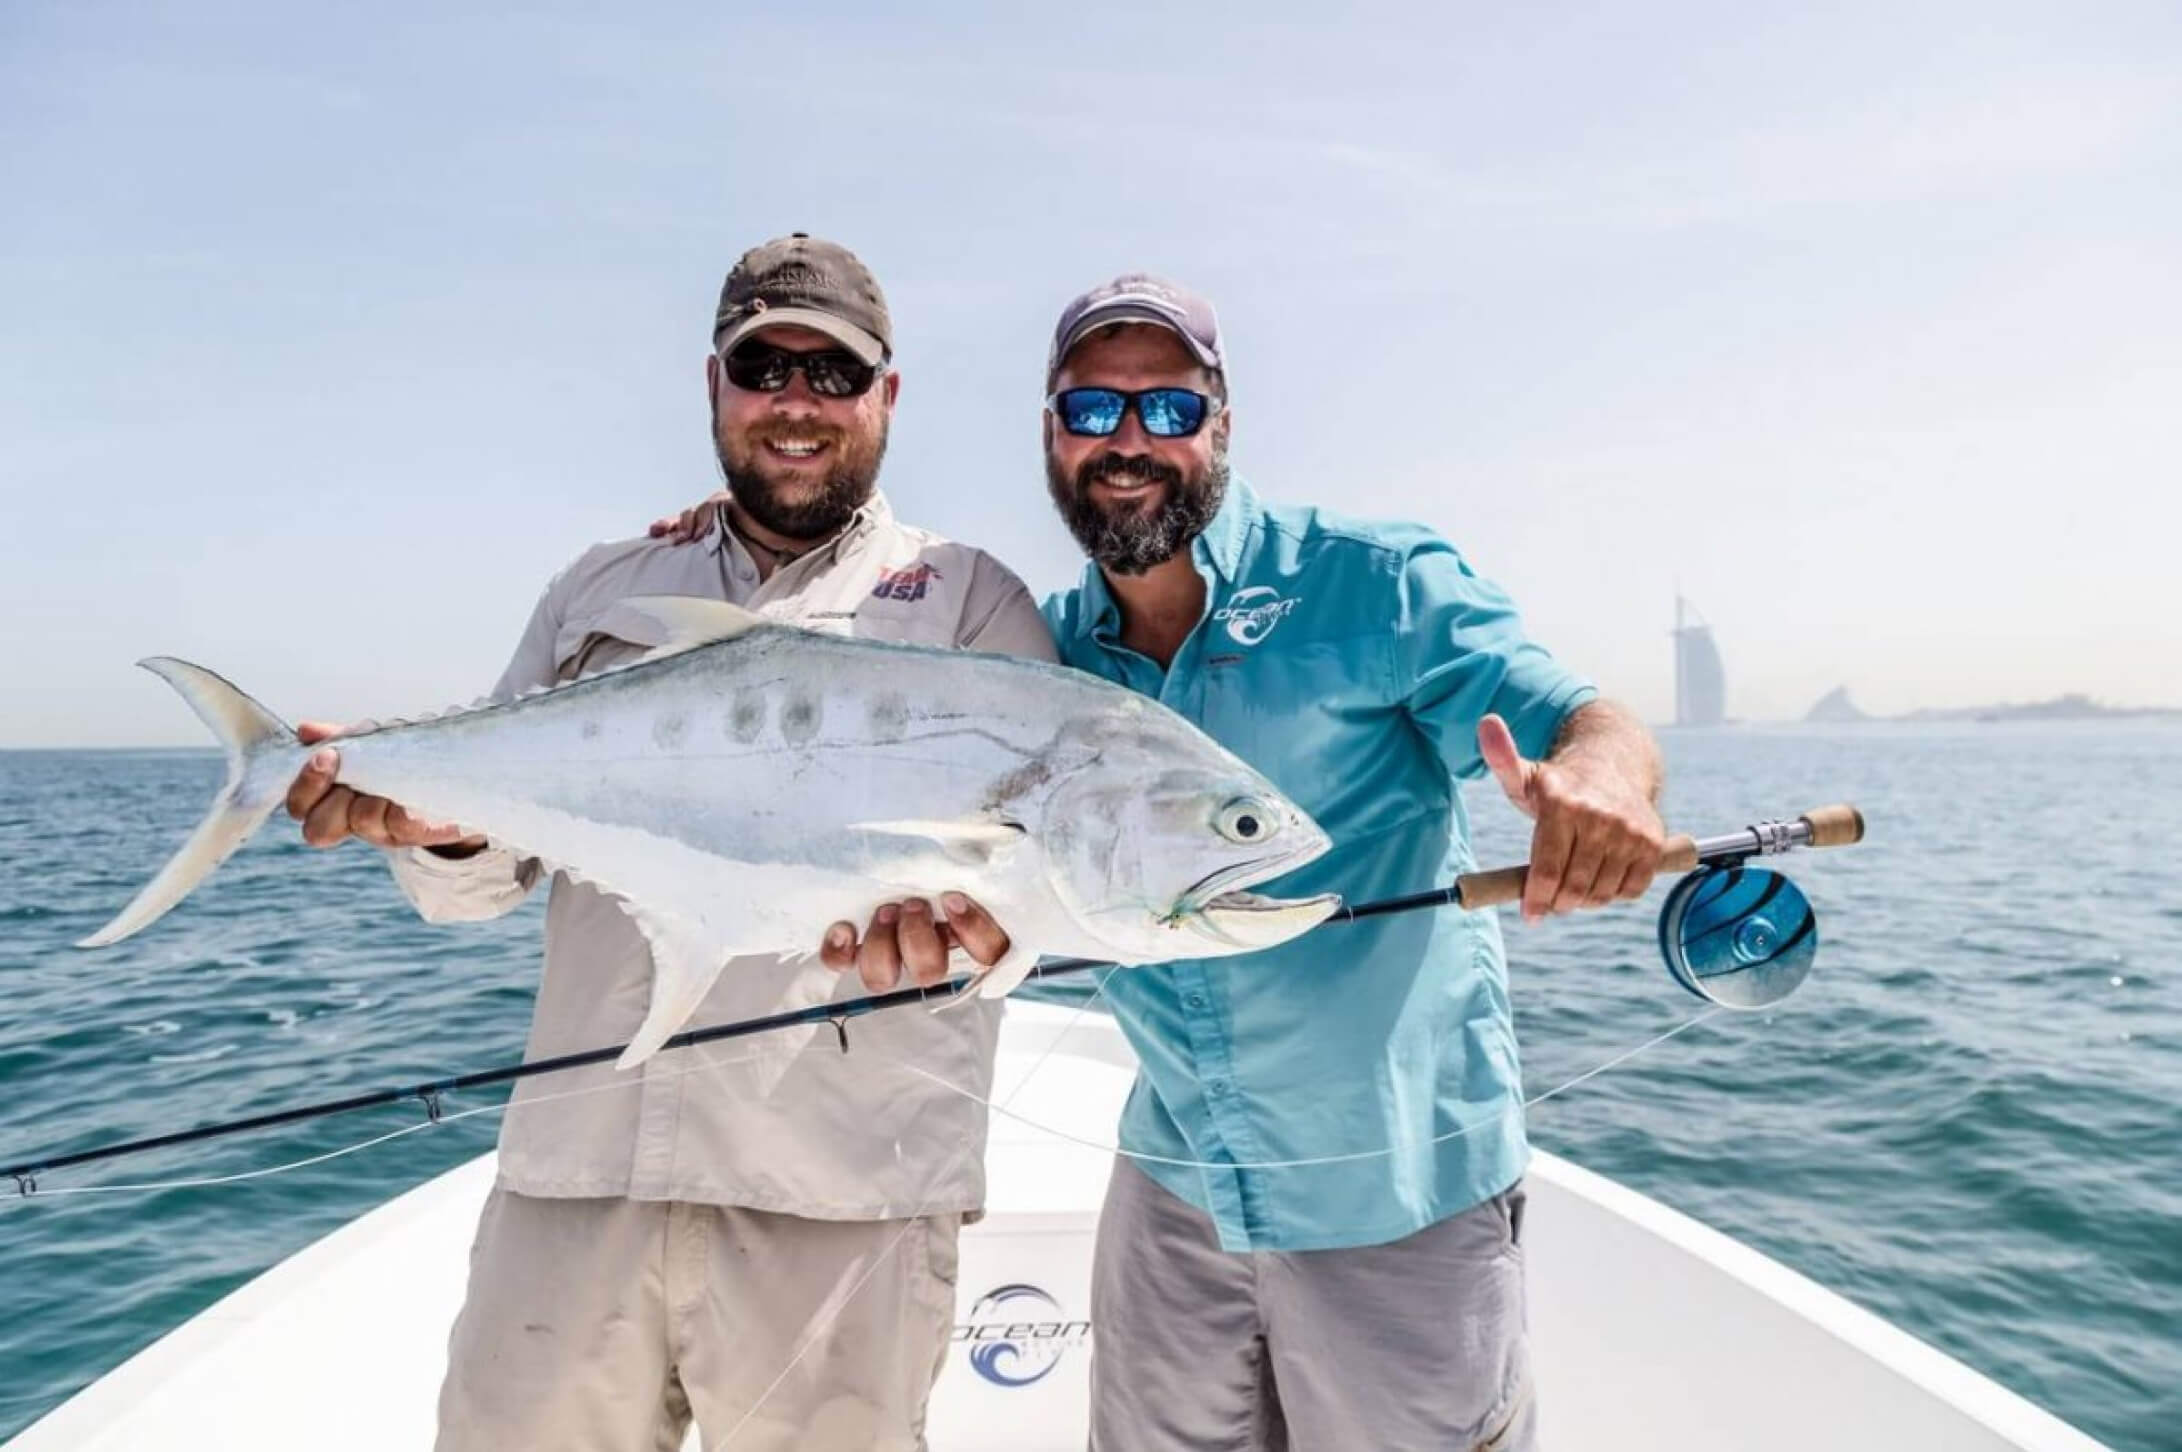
{"x": 1969, "y": 1120}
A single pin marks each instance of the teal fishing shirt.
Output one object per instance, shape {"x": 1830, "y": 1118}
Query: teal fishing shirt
{"x": 1349, "y": 662}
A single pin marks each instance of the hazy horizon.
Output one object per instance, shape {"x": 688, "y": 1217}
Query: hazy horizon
{"x": 329, "y": 339}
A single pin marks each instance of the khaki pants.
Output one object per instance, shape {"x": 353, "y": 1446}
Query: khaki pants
{"x": 1416, "y": 1346}
{"x": 604, "y": 1325}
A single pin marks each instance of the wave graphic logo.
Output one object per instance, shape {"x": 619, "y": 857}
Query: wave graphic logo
{"x": 1017, "y": 1334}
{"x": 1251, "y": 614}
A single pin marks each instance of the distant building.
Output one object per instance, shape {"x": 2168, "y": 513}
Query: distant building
{"x": 1700, "y": 680}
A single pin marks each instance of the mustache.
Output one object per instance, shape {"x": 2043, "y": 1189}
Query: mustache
{"x": 1132, "y": 468}
{"x": 766, "y": 431}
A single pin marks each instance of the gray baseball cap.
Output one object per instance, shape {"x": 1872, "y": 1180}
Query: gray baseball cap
{"x": 1139, "y": 297}
{"x": 810, "y": 283}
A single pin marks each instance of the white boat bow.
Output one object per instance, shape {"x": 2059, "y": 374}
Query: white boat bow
{"x": 1650, "y": 1330}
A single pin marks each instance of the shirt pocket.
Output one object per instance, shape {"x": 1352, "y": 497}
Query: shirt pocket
{"x": 1313, "y": 715}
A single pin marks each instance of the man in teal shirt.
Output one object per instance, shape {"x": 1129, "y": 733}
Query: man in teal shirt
{"x": 1313, "y": 1234}
{"x": 1365, "y": 669}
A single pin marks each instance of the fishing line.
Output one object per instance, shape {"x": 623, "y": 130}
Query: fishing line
{"x": 709, "y": 1065}
{"x": 506, "y": 1106}
{"x": 263, "y": 1172}
{"x": 1294, "y": 1164}
{"x": 1000, "y": 1107}
{"x": 909, "y": 1223}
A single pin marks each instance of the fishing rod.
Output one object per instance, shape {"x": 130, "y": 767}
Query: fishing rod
{"x": 1740, "y": 937}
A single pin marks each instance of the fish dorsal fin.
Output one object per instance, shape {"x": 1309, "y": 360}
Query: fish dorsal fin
{"x": 975, "y": 840}
{"x": 670, "y": 624}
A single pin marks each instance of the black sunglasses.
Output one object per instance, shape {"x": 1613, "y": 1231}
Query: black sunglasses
{"x": 832, "y": 372}
{"x": 1166, "y": 413}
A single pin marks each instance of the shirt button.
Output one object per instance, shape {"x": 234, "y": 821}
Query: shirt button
{"x": 1217, "y": 1088}
{"x": 1195, "y": 1000}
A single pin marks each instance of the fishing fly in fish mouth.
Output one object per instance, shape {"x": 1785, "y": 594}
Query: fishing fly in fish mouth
{"x": 714, "y": 744}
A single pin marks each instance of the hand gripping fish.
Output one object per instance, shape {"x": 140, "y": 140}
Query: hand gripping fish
{"x": 747, "y": 783}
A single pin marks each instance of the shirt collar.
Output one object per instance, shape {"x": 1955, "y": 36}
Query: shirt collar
{"x": 875, "y": 515}
{"x": 1217, "y": 551}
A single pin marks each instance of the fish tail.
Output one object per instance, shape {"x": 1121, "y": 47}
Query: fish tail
{"x": 263, "y": 755}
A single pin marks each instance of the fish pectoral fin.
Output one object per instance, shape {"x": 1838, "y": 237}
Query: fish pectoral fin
{"x": 1001, "y": 979}
{"x": 686, "y": 961}
{"x": 976, "y": 841}
{"x": 1006, "y": 975}
{"x": 671, "y": 624}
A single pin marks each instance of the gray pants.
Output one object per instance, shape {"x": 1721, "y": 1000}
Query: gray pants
{"x": 1421, "y": 1344}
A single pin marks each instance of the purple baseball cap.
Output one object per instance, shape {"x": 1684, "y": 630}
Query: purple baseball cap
{"x": 1139, "y": 297}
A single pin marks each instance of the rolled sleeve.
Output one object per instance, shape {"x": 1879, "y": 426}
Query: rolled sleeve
{"x": 495, "y": 881}
{"x": 469, "y": 889}
{"x": 1464, "y": 655}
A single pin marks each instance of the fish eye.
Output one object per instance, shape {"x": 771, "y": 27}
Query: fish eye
{"x": 1244, "y": 820}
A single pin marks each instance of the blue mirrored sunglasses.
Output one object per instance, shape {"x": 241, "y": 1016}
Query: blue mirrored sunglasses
{"x": 1166, "y": 413}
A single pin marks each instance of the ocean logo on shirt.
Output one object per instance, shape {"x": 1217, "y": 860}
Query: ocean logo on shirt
{"x": 1251, "y": 614}
{"x": 1017, "y": 1334}
{"x": 909, "y": 584}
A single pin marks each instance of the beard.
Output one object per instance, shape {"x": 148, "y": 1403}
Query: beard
{"x": 1130, "y": 540}
{"x": 819, "y": 513}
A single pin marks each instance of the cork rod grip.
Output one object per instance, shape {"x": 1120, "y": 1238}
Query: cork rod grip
{"x": 1505, "y": 884}
{"x": 1835, "y": 826}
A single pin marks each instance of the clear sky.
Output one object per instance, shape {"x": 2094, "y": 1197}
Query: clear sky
{"x": 328, "y": 333}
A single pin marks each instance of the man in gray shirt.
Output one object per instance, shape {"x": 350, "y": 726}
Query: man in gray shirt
{"x": 763, "y": 1237}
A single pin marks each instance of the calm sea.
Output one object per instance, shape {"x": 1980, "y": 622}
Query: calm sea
{"x": 1969, "y": 1119}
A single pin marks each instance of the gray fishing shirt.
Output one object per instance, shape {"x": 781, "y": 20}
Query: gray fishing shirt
{"x": 783, "y": 1121}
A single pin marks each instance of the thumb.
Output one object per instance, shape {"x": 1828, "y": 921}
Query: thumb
{"x": 1496, "y": 744}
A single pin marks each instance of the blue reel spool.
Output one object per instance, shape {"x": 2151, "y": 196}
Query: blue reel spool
{"x": 1740, "y": 937}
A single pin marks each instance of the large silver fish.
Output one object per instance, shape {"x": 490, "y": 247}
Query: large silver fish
{"x": 747, "y": 783}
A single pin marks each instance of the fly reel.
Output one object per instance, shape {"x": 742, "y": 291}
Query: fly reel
{"x": 1740, "y": 937}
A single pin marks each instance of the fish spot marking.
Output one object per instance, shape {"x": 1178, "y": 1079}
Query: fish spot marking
{"x": 889, "y": 714}
{"x": 799, "y": 719}
{"x": 747, "y": 719}
{"x": 590, "y": 730}
{"x": 671, "y": 729}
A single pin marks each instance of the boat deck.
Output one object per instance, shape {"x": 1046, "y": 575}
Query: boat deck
{"x": 1650, "y": 1331}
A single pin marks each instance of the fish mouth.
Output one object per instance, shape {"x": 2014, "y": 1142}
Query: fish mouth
{"x": 1229, "y": 882}
{"x": 1219, "y": 907}
{"x": 1248, "y": 921}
